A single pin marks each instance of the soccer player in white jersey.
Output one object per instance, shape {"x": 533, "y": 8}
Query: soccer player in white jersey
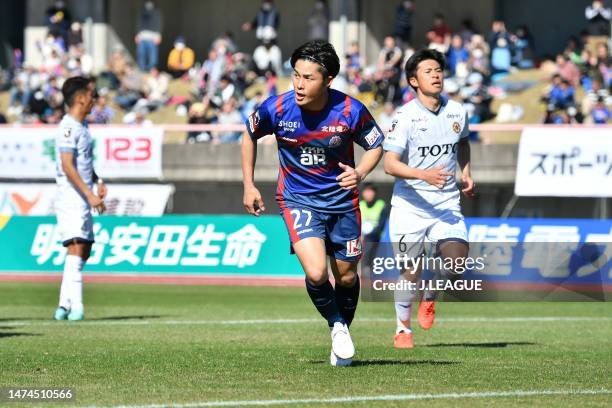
{"x": 75, "y": 177}
{"x": 428, "y": 137}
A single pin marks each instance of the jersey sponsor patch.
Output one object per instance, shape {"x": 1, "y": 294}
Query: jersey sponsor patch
{"x": 353, "y": 247}
{"x": 456, "y": 127}
{"x": 335, "y": 141}
{"x": 372, "y": 137}
{"x": 254, "y": 121}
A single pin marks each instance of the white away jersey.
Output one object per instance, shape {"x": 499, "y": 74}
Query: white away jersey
{"x": 73, "y": 136}
{"x": 425, "y": 140}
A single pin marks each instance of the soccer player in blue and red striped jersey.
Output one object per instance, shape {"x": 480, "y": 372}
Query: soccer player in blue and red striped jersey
{"x": 315, "y": 128}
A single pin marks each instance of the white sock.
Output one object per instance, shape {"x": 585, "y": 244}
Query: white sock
{"x": 71, "y": 293}
{"x": 402, "y": 313}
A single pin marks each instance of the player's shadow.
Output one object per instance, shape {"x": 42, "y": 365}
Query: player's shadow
{"x": 134, "y": 317}
{"x": 501, "y": 344}
{"x": 4, "y": 335}
{"x": 390, "y": 362}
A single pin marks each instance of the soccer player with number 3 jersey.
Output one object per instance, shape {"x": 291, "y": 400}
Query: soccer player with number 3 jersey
{"x": 428, "y": 138}
{"x": 315, "y": 129}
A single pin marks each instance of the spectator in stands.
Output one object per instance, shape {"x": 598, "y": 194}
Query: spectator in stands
{"x": 457, "y": 58}
{"x": 568, "y": 70}
{"x": 385, "y": 117}
{"x": 225, "y": 92}
{"x": 138, "y": 117}
{"x": 442, "y": 30}
{"x": 388, "y": 71}
{"x": 131, "y": 88}
{"x": 562, "y": 96}
{"x": 600, "y": 112}
{"x": 595, "y": 92}
{"x": 467, "y": 31}
{"x": 75, "y": 35}
{"x": 116, "y": 67}
{"x": 265, "y": 23}
{"x": 101, "y": 113}
{"x": 210, "y": 73}
{"x": 148, "y": 37}
{"x": 402, "y": 30}
{"x": 180, "y": 59}
{"x": 267, "y": 56}
{"x": 604, "y": 63}
{"x": 479, "y": 57}
{"x": 501, "y": 59}
{"x": 20, "y": 92}
{"x": 599, "y": 18}
{"x": 318, "y": 22}
{"x": 200, "y": 113}
{"x": 225, "y": 42}
{"x": 58, "y": 19}
{"x": 354, "y": 64}
{"x": 229, "y": 115}
{"x": 252, "y": 104}
{"x": 156, "y": 89}
{"x": 524, "y": 48}
{"x": 477, "y": 96}
{"x": 498, "y": 30}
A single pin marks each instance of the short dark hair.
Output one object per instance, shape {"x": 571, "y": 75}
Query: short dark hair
{"x": 320, "y": 52}
{"x": 73, "y": 86}
{"x": 369, "y": 186}
{"x": 422, "y": 55}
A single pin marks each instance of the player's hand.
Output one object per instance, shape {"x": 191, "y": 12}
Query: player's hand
{"x": 102, "y": 190}
{"x": 253, "y": 203}
{"x": 437, "y": 177}
{"x": 349, "y": 178}
{"x": 96, "y": 203}
{"x": 468, "y": 185}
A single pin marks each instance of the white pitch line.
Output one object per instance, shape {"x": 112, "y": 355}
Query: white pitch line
{"x": 137, "y": 322}
{"x": 400, "y": 397}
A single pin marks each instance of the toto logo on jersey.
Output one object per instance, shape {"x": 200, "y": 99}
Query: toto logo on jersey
{"x": 436, "y": 150}
{"x": 125, "y": 149}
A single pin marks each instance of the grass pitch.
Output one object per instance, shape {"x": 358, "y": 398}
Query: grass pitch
{"x": 209, "y": 346}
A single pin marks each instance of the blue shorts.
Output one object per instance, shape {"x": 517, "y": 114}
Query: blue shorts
{"x": 341, "y": 232}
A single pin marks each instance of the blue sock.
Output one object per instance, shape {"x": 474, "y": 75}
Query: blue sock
{"x": 324, "y": 299}
{"x": 347, "y": 299}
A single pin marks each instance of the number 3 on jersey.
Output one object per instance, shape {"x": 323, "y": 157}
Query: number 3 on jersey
{"x": 300, "y": 216}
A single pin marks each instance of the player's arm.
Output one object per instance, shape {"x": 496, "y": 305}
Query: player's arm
{"x": 73, "y": 176}
{"x": 463, "y": 158}
{"x": 394, "y": 166}
{"x": 102, "y": 190}
{"x": 351, "y": 177}
{"x": 252, "y": 200}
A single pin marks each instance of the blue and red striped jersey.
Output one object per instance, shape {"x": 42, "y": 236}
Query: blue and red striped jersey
{"x": 310, "y": 146}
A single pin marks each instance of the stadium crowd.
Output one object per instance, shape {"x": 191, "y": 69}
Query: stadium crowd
{"x": 226, "y": 84}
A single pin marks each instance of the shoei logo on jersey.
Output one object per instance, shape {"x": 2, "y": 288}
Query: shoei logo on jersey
{"x": 353, "y": 247}
{"x": 335, "y": 141}
{"x": 312, "y": 156}
{"x": 289, "y": 126}
{"x": 67, "y": 132}
{"x": 254, "y": 121}
{"x": 456, "y": 127}
{"x": 372, "y": 137}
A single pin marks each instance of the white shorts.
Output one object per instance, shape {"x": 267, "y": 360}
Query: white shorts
{"x": 418, "y": 233}
{"x": 74, "y": 221}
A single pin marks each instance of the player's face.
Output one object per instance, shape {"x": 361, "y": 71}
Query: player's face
{"x": 89, "y": 98}
{"x": 429, "y": 78}
{"x": 308, "y": 83}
